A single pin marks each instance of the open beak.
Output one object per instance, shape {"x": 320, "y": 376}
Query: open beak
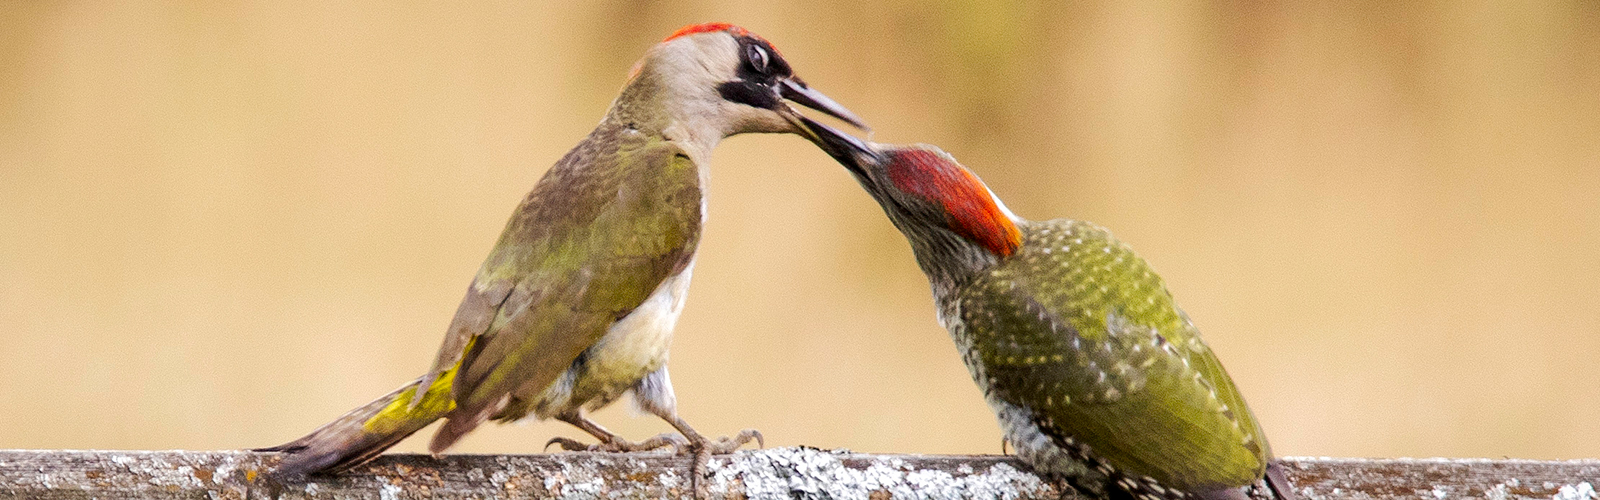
{"x": 846, "y": 149}
{"x": 797, "y": 92}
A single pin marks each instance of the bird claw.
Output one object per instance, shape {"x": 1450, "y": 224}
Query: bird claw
{"x": 725, "y": 445}
{"x": 702, "y": 449}
{"x": 619, "y": 445}
{"x": 566, "y": 444}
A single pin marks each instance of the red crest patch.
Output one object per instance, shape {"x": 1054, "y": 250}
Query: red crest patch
{"x": 970, "y": 207}
{"x": 707, "y": 28}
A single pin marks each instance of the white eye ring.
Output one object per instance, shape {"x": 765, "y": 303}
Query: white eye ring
{"x": 757, "y": 57}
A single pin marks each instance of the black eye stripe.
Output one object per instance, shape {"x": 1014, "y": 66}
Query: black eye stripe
{"x": 759, "y": 70}
{"x": 748, "y": 92}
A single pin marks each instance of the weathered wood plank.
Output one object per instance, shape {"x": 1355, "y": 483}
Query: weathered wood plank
{"x": 772, "y": 473}
{"x": 1442, "y": 478}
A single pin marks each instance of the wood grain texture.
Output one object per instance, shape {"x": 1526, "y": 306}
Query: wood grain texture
{"x": 772, "y": 473}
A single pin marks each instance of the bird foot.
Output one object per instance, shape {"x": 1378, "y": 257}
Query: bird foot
{"x": 703, "y": 449}
{"x": 619, "y": 445}
{"x": 725, "y": 445}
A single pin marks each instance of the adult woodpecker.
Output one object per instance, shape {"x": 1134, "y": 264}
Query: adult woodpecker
{"x": 1092, "y": 371}
{"x": 576, "y": 303}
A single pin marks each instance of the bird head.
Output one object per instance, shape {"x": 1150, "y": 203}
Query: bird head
{"x": 940, "y": 205}
{"x": 729, "y": 80}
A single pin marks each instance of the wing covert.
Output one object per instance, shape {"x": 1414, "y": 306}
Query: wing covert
{"x": 598, "y": 235}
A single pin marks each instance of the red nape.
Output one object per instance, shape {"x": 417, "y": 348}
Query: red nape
{"x": 707, "y": 28}
{"x": 972, "y": 211}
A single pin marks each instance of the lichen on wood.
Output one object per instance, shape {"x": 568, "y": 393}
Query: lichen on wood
{"x": 772, "y": 473}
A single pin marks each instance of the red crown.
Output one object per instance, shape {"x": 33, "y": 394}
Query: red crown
{"x": 707, "y": 28}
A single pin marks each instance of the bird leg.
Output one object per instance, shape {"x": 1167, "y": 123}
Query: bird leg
{"x": 610, "y": 441}
{"x": 723, "y": 445}
{"x": 653, "y": 394}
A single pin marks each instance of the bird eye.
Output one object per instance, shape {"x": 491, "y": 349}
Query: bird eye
{"x": 757, "y": 57}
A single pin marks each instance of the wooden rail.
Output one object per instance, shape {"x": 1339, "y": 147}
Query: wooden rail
{"x": 780, "y": 473}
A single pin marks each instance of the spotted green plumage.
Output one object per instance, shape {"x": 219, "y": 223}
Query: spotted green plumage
{"x": 1080, "y": 331}
{"x": 1093, "y": 373}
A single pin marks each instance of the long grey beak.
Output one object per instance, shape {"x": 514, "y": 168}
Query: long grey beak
{"x": 844, "y": 148}
{"x": 796, "y": 91}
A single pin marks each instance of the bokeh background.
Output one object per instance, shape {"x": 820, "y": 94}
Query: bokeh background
{"x": 222, "y": 224}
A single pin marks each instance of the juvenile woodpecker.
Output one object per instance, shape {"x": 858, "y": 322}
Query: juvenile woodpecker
{"x": 1094, "y": 374}
{"x": 576, "y": 303}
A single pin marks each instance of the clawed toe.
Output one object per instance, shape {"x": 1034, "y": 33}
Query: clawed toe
{"x": 663, "y": 440}
{"x": 566, "y": 444}
{"x": 702, "y": 449}
{"x": 726, "y": 445}
{"x": 618, "y": 445}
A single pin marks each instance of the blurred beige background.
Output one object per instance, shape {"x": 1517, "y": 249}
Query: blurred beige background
{"x": 222, "y": 225}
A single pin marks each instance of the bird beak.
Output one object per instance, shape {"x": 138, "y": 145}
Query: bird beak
{"x": 797, "y": 92}
{"x": 848, "y": 150}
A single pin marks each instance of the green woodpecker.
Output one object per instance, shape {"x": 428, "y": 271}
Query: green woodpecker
{"x": 576, "y": 303}
{"x": 1093, "y": 373}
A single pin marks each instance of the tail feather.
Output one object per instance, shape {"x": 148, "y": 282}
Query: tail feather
{"x": 365, "y": 432}
{"x": 459, "y": 424}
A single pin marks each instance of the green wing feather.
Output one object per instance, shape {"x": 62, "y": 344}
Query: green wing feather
{"x": 1079, "y": 329}
{"x": 594, "y": 239}
{"x": 607, "y": 224}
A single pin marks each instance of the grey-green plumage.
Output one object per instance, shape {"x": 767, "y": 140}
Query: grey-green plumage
{"x": 614, "y": 222}
{"x": 609, "y": 224}
{"x": 576, "y": 304}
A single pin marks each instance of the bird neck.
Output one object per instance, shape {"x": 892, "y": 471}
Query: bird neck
{"x": 655, "y": 103}
{"x": 949, "y": 259}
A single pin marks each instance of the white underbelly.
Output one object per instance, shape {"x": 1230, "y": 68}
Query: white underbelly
{"x": 638, "y": 342}
{"x": 631, "y": 348}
